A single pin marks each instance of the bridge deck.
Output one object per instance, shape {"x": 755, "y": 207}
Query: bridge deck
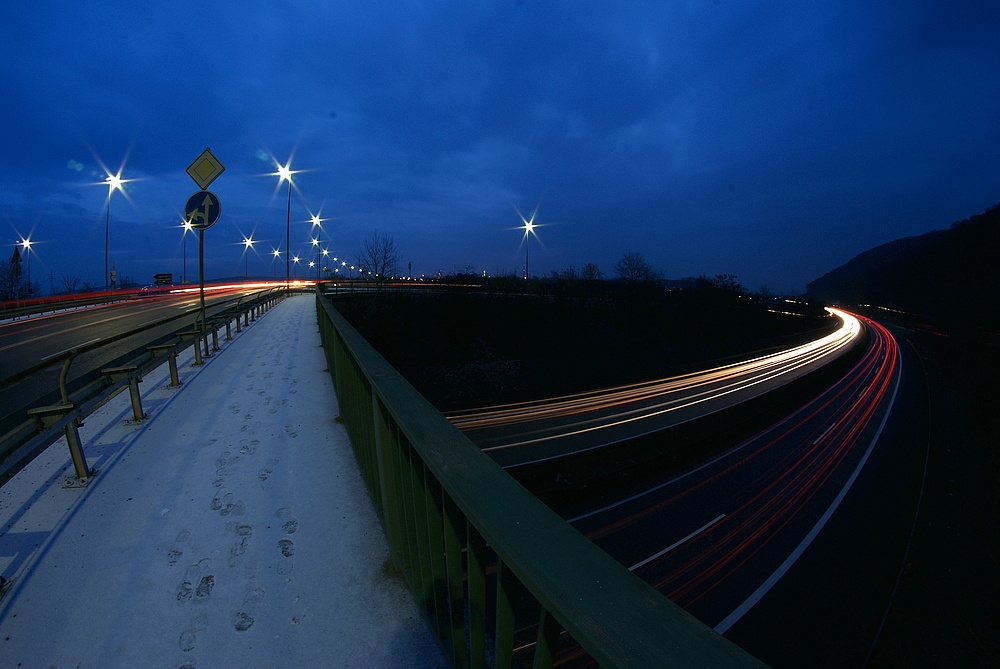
{"x": 229, "y": 528}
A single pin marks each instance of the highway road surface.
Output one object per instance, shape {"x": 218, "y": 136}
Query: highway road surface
{"x": 518, "y": 434}
{"x": 790, "y": 541}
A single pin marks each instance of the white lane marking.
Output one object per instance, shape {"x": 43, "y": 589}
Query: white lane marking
{"x": 678, "y": 542}
{"x": 53, "y": 355}
{"x": 759, "y": 593}
{"x": 825, "y": 432}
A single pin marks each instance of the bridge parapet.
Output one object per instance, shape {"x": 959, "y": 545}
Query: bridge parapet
{"x": 486, "y": 560}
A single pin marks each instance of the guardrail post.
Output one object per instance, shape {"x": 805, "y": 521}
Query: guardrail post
{"x": 175, "y": 380}
{"x": 246, "y": 319}
{"x": 50, "y": 415}
{"x": 215, "y": 339}
{"x": 197, "y": 351}
{"x": 229, "y": 332}
{"x": 115, "y": 374}
{"x": 76, "y": 451}
{"x": 133, "y": 392}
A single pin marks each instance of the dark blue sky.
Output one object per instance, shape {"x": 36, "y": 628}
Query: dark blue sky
{"x": 771, "y": 140}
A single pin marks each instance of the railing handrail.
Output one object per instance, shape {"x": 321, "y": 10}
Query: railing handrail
{"x": 618, "y": 618}
{"x": 26, "y": 439}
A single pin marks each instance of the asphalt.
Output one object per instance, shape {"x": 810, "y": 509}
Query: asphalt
{"x": 230, "y": 528}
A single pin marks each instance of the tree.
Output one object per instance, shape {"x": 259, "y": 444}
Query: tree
{"x": 633, "y": 269}
{"x": 591, "y": 272}
{"x": 13, "y": 285}
{"x": 380, "y": 257}
{"x": 728, "y": 283}
{"x": 68, "y": 284}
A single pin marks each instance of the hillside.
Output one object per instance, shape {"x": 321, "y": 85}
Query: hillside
{"x": 948, "y": 274}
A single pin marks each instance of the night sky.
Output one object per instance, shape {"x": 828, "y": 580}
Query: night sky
{"x": 770, "y": 140}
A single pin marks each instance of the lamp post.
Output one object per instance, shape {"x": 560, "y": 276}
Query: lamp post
{"x": 247, "y": 246}
{"x": 276, "y": 253}
{"x": 114, "y": 181}
{"x": 529, "y": 229}
{"x": 187, "y": 228}
{"x": 285, "y": 173}
{"x": 316, "y": 221}
{"x": 26, "y": 245}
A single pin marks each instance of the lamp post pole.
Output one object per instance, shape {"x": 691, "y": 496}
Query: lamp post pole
{"x": 288, "y": 225}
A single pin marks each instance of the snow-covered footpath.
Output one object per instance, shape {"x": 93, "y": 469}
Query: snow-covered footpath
{"x": 230, "y": 528}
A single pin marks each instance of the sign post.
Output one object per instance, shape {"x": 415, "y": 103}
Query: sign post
{"x": 202, "y": 211}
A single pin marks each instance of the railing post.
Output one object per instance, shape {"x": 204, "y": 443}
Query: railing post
{"x": 76, "y": 450}
{"x": 172, "y": 363}
{"x": 215, "y": 339}
{"x": 229, "y": 333}
{"x": 133, "y": 391}
{"x": 197, "y": 351}
{"x": 47, "y": 416}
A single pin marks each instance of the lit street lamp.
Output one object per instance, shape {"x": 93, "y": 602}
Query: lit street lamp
{"x": 26, "y": 246}
{"x": 275, "y": 255}
{"x": 114, "y": 181}
{"x": 529, "y": 229}
{"x": 187, "y": 228}
{"x": 316, "y": 220}
{"x": 247, "y": 246}
{"x": 285, "y": 173}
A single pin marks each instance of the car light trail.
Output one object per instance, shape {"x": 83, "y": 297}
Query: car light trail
{"x": 776, "y": 493}
{"x": 590, "y": 419}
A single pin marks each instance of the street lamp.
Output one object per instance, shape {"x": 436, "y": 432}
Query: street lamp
{"x": 114, "y": 181}
{"x": 187, "y": 228}
{"x": 316, "y": 220}
{"x": 285, "y": 173}
{"x": 247, "y": 246}
{"x": 529, "y": 229}
{"x": 26, "y": 245}
{"x": 276, "y": 254}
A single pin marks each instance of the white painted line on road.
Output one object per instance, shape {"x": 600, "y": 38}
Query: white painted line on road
{"x": 825, "y": 432}
{"x": 678, "y": 543}
{"x": 55, "y": 355}
{"x": 759, "y": 593}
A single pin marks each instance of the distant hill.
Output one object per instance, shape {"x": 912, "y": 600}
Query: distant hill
{"x": 952, "y": 275}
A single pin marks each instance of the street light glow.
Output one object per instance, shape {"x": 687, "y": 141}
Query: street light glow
{"x": 529, "y": 229}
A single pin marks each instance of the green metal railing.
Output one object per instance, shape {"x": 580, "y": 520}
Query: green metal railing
{"x": 486, "y": 560}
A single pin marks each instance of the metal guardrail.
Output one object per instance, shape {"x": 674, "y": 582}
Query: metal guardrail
{"x": 14, "y": 310}
{"x": 468, "y": 538}
{"x": 47, "y": 423}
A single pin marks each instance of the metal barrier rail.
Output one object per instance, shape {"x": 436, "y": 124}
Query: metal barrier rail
{"x": 46, "y": 424}
{"x": 465, "y": 534}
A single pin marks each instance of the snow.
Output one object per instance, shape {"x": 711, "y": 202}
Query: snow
{"x": 230, "y": 528}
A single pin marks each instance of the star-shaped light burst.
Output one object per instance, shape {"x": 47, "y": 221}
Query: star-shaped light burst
{"x": 529, "y": 229}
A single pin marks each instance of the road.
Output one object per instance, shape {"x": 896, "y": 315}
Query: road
{"x": 524, "y": 433}
{"x": 26, "y": 343}
{"x": 789, "y": 542}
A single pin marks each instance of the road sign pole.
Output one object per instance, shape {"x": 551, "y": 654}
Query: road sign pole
{"x": 201, "y": 274}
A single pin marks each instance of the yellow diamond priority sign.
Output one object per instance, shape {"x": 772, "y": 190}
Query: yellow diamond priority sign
{"x": 205, "y": 169}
